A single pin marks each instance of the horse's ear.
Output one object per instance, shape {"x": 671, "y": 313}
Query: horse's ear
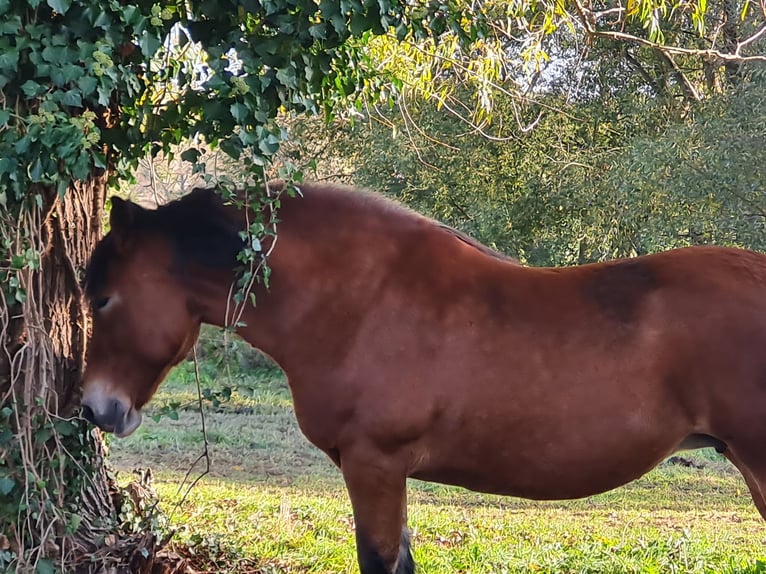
{"x": 122, "y": 217}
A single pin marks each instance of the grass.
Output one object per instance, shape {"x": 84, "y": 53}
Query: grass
{"x": 274, "y": 503}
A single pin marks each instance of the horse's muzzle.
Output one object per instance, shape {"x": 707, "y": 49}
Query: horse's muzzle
{"x": 111, "y": 415}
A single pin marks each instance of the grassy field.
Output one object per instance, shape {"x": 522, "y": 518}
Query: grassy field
{"x": 272, "y": 503}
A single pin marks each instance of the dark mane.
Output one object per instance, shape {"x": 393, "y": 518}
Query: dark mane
{"x": 198, "y": 225}
{"x": 202, "y": 230}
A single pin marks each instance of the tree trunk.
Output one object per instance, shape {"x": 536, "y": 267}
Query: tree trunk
{"x": 58, "y": 504}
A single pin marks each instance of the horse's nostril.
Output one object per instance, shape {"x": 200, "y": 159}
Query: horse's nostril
{"x": 118, "y": 412}
{"x": 87, "y": 414}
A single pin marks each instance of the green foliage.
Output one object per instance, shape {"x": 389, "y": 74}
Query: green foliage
{"x": 614, "y": 176}
{"x": 699, "y": 182}
{"x": 93, "y": 86}
{"x": 49, "y": 480}
{"x": 64, "y": 70}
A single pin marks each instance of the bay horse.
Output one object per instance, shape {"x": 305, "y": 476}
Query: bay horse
{"x": 412, "y": 350}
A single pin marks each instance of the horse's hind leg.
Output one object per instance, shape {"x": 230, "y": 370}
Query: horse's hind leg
{"x": 752, "y": 466}
{"x": 378, "y": 496}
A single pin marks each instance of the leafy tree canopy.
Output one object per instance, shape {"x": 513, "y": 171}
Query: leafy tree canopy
{"x": 614, "y": 177}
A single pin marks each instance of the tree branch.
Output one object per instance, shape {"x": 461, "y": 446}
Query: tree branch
{"x": 586, "y": 17}
{"x": 636, "y": 65}
{"x": 690, "y": 92}
{"x": 760, "y": 33}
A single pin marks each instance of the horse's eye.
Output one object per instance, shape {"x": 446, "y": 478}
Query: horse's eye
{"x": 100, "y": 303}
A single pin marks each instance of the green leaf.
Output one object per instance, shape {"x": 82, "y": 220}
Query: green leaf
{"x": 54, "y": 54}
{"x": 72, "y": 98}
{"x": 65, "y": 427}
{"x": 287, "y": 77}
{"x": 361, "y": 22}
{"x": 149, "y": 44}
{"x": 60, "y": 6}
{"x": 22, "y": 145}
{"x": 73, "y": 523}
{"x": 9, "y": 60}
{"x": 230, "y": 148}
{"x": 10, "y": 26}
{"x": 239, "y": 112}
{"x": 132, "y": 15}
{"x": 5, "y": 115}
{"x": 318, "y": 31}
{"x": 99, "y": 159}
{"x": 45, "y": 566}
{"x": 191, "y": 155}
{"x": 36, "y": 170}
{"x": 70, "y": 72}
{"x": 42, "y": 435}
{"x": 30, "y": 88}
{"x": 6, "y": 485}
{"x": 87, "y": 85}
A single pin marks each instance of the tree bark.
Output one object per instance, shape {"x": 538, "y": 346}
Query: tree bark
{"x": 68, "y": 501}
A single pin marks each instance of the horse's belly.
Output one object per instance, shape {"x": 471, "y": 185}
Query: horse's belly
{"x": 554, "y": 468}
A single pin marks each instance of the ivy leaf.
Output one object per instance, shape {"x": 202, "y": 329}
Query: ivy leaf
{"x": 287, "y": 77}
{"x": 60, "y": 6}
{"x": 87, "y": 85}
{"x": 10, "y": 26}
{"x": 318, "y": 31}
{"x": 30, "y": 88}
{"x": 22, "y": 145}
{"x": 239, "y": 112}
{"x": 231, "y": 148}
{"x": 6, "y": 485}
{"x": 361, "y": 22}
{"x": 191, "y": 155}
{"x": 149, "y": 44}
{"x": 72, "y": 98}
{"x": 36, "y": 171}
{"x": 99, "y": 159}
{"x": 269, "y": 145}
{"x": 45, "y": 566}
{"x": 71, "y": 72}
{"x": 73, "y": 523}
{"x": 132, "y": 15}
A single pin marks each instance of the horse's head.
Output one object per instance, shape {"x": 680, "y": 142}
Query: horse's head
{"x": 143, "y": 323}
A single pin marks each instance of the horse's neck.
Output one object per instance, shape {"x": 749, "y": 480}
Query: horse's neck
{"x": 326, "y": 260}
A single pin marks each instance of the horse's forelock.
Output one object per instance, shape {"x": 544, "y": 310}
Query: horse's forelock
{"x": 97, "y": 269}
{"x": 197, "y": 226}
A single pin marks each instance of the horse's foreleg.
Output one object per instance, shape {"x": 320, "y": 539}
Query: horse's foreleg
{"x": 379, "y": 499}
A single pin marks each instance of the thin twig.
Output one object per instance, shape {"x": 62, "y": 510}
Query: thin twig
{"x": 205, "y": 443}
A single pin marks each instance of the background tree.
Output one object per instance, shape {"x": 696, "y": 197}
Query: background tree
{"x": 614, "y": 177}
